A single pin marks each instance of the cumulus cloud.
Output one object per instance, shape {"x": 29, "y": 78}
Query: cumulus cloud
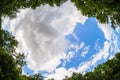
{"x": 41, "y": 33}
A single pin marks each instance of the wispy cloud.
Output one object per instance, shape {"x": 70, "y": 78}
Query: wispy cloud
{"x": 111, "y": 37}
{"x": 85, "y": 51}
{"x": 111, "y": 43}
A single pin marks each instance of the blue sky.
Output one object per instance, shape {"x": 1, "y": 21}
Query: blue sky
{"x": 93, "y": 40}
{"x": 90, "y": 34}
{"x": 60, "y": 40}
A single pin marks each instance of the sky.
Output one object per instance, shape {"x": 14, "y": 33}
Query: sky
{"x": 58, "y": 41}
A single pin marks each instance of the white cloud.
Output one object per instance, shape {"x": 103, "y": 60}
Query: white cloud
{"x": 74, "y": 35}
{"x": 98, "y": 56}
{"x": 118, "y": 29}
{"x": 85, "y": 51}
{"x": 41, "y": 33}
{"x": 111, "y": 43}
{"x": 81, "y": 45}
{"x": 60, "y": 73}
{"x": 10, "y": 24}
{"x": 102, "y": 54}
{"x": 111, "y": 37}
{"x": 107, "y": 30}
{"x": 69, "y": 56}
{"x": 97, "y": 46}
{"x": 77, "y": 46}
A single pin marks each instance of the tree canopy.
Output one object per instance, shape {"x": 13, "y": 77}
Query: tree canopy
{"x": 8, "y": 68}
{"x": 106, "y": 11}
{"x": 10, "y": 7}
{"x": 11, "y": 61}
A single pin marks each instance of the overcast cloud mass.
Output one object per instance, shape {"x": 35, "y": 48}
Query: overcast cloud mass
{"x": 41, "y": 35}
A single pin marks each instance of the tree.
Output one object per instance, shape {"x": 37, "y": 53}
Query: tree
{"x": 102, "y": 9}
{"x": 8, "y": 68}
{"x": 75, "y": 76}
{"x": 7, "y": 42}
{"x": 36, "y": 77}
{"x": 106, "y": 11}
{"x": 11, "y": 62}
{"x": 10, "y": 7}
{"x": 90, "y": 76}
{"x": 51, "y": 79}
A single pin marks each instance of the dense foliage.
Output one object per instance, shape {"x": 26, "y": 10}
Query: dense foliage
{"x": 10, "y": 7}
{"x": 110, "y": 70}
{"x": 11, "y": 62}
{"x": 106, "y": 11}
{"x": 8, "y": 68}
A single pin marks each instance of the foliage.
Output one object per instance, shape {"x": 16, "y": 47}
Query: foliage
{"x": 110, "y": 70}
{"x": 7, "y": 42}
{"x": 10, "y": 7}
{"x": 8, "y": 68}
{"x": 32, "y": 77}
{"x": 11, "y": 62}
{"x": 104, "y": 10}
{"x": 36, "y": 77}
